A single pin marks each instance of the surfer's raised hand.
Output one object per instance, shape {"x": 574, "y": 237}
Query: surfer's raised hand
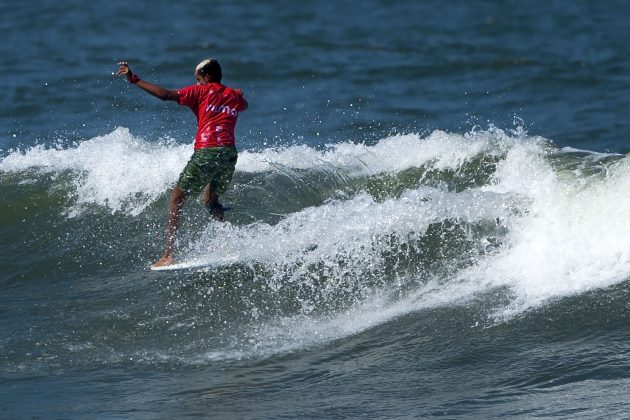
{"x": 125, "y": 70}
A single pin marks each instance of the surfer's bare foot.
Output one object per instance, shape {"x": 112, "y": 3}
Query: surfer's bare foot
{"x": 164, "y": 261}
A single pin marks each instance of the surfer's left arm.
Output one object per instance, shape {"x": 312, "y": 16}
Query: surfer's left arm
{"x": 155, "y": 90}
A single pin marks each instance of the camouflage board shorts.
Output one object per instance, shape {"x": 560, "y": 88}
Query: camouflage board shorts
{"x": 213, "y": 166}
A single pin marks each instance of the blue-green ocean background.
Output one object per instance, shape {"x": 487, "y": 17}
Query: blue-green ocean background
{"x": 430, "y": 213}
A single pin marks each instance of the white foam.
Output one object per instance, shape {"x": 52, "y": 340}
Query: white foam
{"x": 117, "y": 171}
{"x": 352, "y": 228}
{"x": 571, "y": 236}
{"x": 343, "y": 241}
{"x": 576, "y": 238}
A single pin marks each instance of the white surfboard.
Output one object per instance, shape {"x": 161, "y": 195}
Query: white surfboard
{"x": 187, "y": 265}
{"x": 194, "y": 264}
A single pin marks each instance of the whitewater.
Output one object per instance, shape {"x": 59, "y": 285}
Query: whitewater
{"x": 375, "y": 232}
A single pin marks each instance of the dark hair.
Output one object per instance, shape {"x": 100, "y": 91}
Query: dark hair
{"x": 212, "y": 69}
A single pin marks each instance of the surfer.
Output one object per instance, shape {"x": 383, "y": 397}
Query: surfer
{"x": 211, "y": 166}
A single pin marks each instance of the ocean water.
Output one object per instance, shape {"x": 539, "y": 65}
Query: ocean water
{"x": 429, "y": 215}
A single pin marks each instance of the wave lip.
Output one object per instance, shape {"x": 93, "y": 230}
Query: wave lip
{"x": 125, "y": 174}
{"x": 117, "y": 171}
{"x": 391, "y": 154}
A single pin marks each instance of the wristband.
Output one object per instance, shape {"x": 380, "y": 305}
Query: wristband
{"x": 134, "y": 79}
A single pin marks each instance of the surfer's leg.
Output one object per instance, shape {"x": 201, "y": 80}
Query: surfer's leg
{"x": 178, "y": 198}
{"x": 220, "y": 170}
{"x": 211, "y": 200}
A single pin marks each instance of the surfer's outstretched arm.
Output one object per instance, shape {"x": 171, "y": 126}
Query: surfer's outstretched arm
{"x": 155, "y": 90}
